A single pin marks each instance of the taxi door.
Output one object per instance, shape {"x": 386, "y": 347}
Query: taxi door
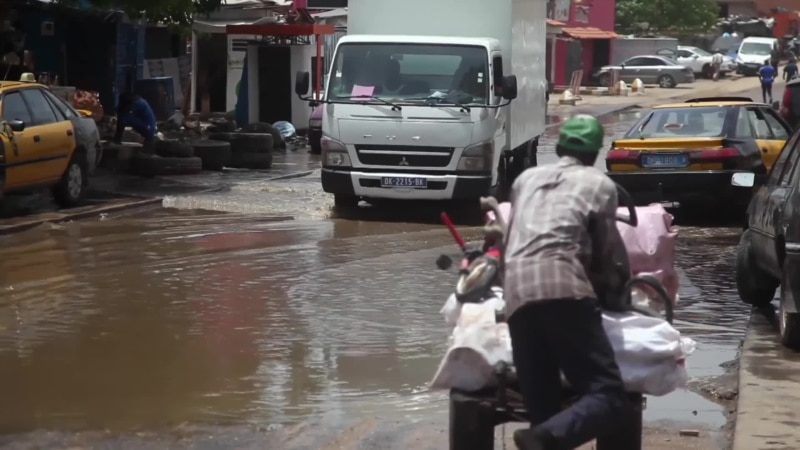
{"x": 769, "y": 133}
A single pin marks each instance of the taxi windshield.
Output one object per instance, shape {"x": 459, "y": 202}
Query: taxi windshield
{"x": 681, "y": 122}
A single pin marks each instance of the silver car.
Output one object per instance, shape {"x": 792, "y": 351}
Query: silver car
{"x": 651, "y": 69}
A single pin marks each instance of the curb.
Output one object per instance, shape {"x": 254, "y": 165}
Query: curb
{"x": 60, "y": 218}
{"x": 289, "y": 176}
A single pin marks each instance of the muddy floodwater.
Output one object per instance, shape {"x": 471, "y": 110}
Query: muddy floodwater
{"x": 213, "y": 322}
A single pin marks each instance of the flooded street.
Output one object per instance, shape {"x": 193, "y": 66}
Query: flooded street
{"x": 218, "y": 323}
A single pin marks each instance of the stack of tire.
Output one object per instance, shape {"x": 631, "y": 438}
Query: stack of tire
{"x": 170, "y": 157}
{"x": 248, "y": 150}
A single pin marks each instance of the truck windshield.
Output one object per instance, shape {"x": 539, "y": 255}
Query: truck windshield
{"x": 410, "y": 73}
{"x": 756, "y": 48}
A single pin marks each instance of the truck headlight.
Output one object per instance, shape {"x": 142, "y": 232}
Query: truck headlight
{"x": 315, "y": 123}
{"x": 334, "y": 153}
{"x": 477, "y": 158}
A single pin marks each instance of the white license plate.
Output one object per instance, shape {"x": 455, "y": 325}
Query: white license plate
{"x": 409, "y": 182}
{"x": 664, "y": 161}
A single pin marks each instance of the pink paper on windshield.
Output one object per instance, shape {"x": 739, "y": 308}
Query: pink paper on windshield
{"x": 362, "y": 91}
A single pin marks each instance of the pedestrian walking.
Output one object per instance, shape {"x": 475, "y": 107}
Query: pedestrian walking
{"x": 716, "y": 64}
{"x": 767, "y": 76}
{"x": 775, "y": 57}
{"x": 790, "y": 69}
{"x": 562, "y": 245}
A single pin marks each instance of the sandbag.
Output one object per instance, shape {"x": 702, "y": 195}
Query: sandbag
{"x": 651, "y": 246}
{"x": 651, "y": 354}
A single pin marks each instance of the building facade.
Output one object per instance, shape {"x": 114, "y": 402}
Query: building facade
{"x": 585, "y": 39}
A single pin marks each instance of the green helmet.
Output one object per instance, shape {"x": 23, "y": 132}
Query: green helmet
{"x": 581, "y": 133}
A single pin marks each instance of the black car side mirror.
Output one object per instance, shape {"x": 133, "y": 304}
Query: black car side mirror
{"x": 302, "y": 83}
{"x": 510, "y": 87}
{"x": 16, "y": 125}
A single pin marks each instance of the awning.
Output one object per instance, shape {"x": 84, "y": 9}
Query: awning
{"x": 555, "y": 23}
{"x": 281, "y": 30}
{"x": 589, "y": 33}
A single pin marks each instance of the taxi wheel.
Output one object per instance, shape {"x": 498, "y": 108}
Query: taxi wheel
{"x": 666, "y": 81}
{"x": 754, "y": 286}
{"x": 69, "y": 190}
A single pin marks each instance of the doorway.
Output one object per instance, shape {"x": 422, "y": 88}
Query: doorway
{"x": 212, "y": 73}
{"x": 601, "y": 54}
{"x": 274, "y": 84}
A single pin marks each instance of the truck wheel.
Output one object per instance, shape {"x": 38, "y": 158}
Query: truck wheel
{"x": 69, "y": 190}
{"x": 154, "y": 165}
{"x": 266, "y": 128}
{"x": 754, "y": 286}
{"x": 471, "y": 426}
{"x": 343, "y": 201}
{"x": 502, "y": 189}
{"x": 215, "y": 154}
{"x": 788, "y": 322}
{"x": 173, "y": 148}
{"x": 251, "y": 160}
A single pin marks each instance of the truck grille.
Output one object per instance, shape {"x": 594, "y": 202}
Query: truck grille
{"x": 404, "y": 155}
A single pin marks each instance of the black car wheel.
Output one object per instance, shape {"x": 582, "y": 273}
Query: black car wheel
{"x": 788, "y": 322}
{"x": 753, "y": 285}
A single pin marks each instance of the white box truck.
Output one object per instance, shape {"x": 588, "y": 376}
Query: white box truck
{"x": 432, "y": 100}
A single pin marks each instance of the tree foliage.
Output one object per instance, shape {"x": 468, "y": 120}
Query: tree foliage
{"x": 170, "y": 12}
{"x": 635, "y": 16}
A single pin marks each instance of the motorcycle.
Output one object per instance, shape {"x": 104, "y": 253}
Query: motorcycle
{"x": 475, "y": 414}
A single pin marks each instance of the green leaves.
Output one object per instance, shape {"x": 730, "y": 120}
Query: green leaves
{"x": 637, "y": 16}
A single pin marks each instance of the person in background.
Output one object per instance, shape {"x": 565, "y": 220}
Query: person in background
{"x": 134, "y": 111}
{"x": 775, "y": 57}
{"x": 790, "y": 106}
{"x": 561, "y": 249}
{"x": 767, "y": 76}
{"x": 790, "y": 70}
{"x": 716, "y": 63}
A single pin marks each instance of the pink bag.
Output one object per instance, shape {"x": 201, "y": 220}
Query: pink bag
{"x": 651, "y": 246}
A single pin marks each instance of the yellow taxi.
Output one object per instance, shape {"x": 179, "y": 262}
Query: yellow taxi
{"x": 45, "y": 143}
{"x": 687, "y": 152}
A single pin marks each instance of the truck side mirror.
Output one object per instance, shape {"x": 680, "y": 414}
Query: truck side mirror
{"x": 301, "y": 83}
{"x": 510, "y": 87}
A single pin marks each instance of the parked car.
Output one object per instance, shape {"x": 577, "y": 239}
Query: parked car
{"x": 651, "y": 69}
{"x": 46, "y": 143}
{"x": 687, "y": 152}
{"x": 768, "y": 255}
{"x": 753, "y": 52}
{"x": 315, "y": 130}
{"x": 699, "y": 61}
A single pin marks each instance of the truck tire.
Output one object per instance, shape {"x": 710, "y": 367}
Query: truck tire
{"x": 214, "y": 154}
{"x": 754, "y": 286}
{"x": 471, "y": 426}
{"x": 251, "y": 160}
{"x": 344, "y": 201}
{"x": 502, "y": 189}
{"x": 70, "y": 188}
{"x": 245, "y": 142}
{"x": 154, "y": 165}
{"x": 228, "y": 126}
{"x": 266, "y": 128}
{"x": 173, "y": 148}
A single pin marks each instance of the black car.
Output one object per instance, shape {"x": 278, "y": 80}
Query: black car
{"x": 768, "y": 255}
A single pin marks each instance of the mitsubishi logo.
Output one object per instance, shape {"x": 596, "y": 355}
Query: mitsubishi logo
{"x": 403, "y": 162}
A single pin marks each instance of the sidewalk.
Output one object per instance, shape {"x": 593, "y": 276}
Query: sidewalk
{"x": 606, "y": 104}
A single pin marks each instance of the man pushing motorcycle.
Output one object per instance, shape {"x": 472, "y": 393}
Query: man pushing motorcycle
{"x": 563, "y": 255}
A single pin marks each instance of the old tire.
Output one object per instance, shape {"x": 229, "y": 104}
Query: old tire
{"x": 154, "y": 165}
{"x": 214, "y": 154}
{"x": 251, "y": 160}
{"x": 471, "y": 426}
{"x": 666, "y": 81}
{"x": 70, "y": 188}
{"x": 173, "y": 148}
{"x": 245, "y": 142}
{"x": 266, "y": 128}
{"x": 222, "y": 127}
{"x": 753, "y": 285}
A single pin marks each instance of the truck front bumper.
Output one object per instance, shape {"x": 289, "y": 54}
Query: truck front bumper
{"x": 440, "y": 187}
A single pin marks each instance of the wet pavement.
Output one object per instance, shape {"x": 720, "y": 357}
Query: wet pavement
{"x": 213, "y": 323}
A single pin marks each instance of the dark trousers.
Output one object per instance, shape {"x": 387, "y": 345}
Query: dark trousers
{"x": 766, "y": 91}
{"x": 567, "y": 335}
